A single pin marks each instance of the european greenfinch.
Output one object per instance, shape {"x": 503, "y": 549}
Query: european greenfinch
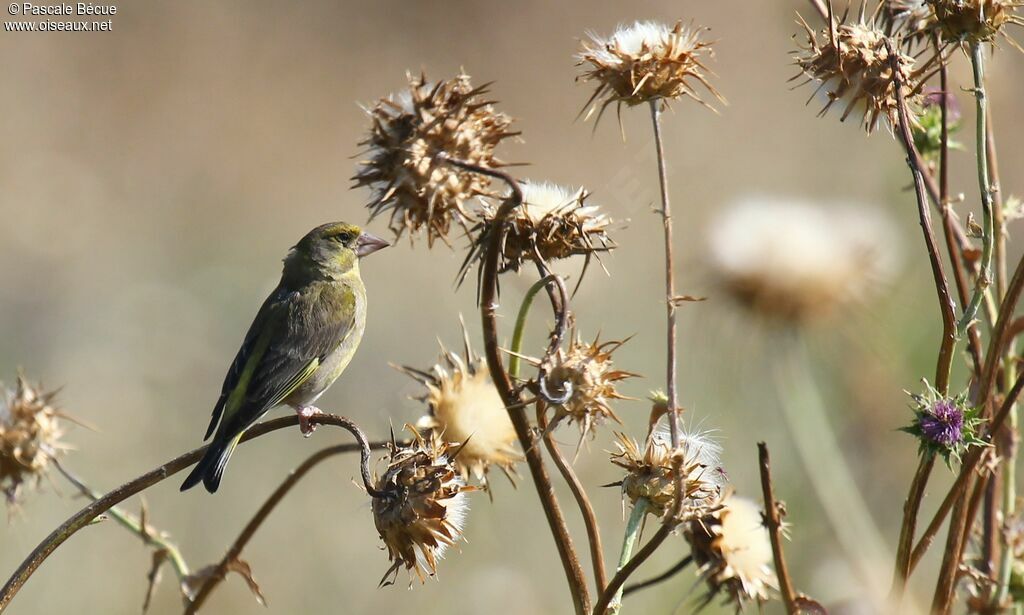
{"x": 299, "y": 343}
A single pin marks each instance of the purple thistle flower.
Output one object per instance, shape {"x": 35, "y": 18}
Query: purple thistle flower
{"x": 943, "y": 423}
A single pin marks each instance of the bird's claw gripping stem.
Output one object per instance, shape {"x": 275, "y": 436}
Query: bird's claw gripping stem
{"x": 305, "y": 414}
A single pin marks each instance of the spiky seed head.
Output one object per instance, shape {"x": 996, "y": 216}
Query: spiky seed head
{"x": 792, "y": 262}
{"x": 646, "y": 61}
{"x": 408, "y": 132}
{"x": 421, "y": 507}
{"x": 465, "y": 410}
{"x": 850, "y": 64}
{"x": 586, "y": 373}
{"x": 733, "y": 553}
{"x": 650, "y": 474}
{"x": 554, "y": 222}
{"x": 30, "y": 432}
{"x": 975, "y": 21}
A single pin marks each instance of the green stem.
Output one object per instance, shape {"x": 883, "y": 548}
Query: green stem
{"x": 988, "y": 232}
{"x": 829, "y": 475}
{"x": 629, "y": 540}
{"x": 133, "y": 525}
{"x": 517, "y": 333}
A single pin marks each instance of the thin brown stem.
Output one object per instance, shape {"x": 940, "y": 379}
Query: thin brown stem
{"x": 510, "y": 397}
{"x": 946, "y": 346}
{"x": 582, "y": 499}
{"x": 670, "y": 279}
{"x": 665, "y": 576}
{"x": 773, "y": 522}
{"x": 88, "y": 514}
{"x": 906, "y": 540}
{"x": 220, "y": 571}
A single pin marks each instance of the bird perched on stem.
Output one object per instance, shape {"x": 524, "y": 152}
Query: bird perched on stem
{"x": 300, "y": 342}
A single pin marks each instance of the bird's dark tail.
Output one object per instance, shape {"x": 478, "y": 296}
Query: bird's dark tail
{"x": 210, "y": 468}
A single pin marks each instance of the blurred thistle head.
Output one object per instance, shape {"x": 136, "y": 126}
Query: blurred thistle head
{"x": 850, "y": 65}
{"x": 466, "y": 411}
{"x": 911, "y": 20}
{"x": 408, "y": 132}
{"x": 733, "y": 553}
{"x": 944, "y": 426}
{"x": 421, "y": 507}
{"x": 792, "y": 262}
{"x": 30, "y": 432}
{"x": 646, "y": 61}
{"x": 585, "y": 379}
{"x": 650, "y": 471}
{"x": 553, "y": 223}
{"x": 975, "y": 21}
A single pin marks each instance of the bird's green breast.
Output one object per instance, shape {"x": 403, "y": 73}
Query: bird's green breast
{"x": 327, "y": 302}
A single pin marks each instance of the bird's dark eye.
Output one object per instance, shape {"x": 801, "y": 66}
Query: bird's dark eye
{"x": 343, "y": 237}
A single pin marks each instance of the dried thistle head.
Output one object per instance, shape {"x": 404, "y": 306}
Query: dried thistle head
{"x": 975, "y": 21}
{"x": 733, "y": 553}
{"x": 408, "y": 132}
{"x": 466, "y": 411}
{"x": 585, "y": 378}
{"x": 650, "y": 474}
{"x": 30, "y": 433}
{"x": 850, "y": 63}
{"x": 421, "y": 506}
{"x": 793, "y": 263}
{"x": 553, "y": 223}
{"x": 646, "y": 61}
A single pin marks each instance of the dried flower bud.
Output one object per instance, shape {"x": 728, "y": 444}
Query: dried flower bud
{"x": 945, "y": 426}
{"x": 733, "y": 552}
{"x": 421, "y": 507}
{"x": 465, "y": 410}
{"x": 553, "y": 223}
{"x": 30, "y": 434}
{"x": 643, "y": 62}
{"x": 975, "y": 21}
{"x": 586, "y": 379}
{"x": 851, "y": 66}
{"x": 650, "y": 475}
{"x": 793, "y": 262}
{"x": 408, "y": 133}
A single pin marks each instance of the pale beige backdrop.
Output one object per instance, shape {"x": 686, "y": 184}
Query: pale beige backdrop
{"x": 151, "y": 178}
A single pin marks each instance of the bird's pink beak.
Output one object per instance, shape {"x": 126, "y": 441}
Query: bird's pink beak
{"x": 368, "y": 244}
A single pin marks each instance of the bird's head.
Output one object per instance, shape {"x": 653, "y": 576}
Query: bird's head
{"x": 330, "y": 251}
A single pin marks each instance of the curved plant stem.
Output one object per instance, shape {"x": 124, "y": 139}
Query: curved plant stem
{"x": 601, "y": 606}
{"x": 88, "y": 514}
{"x": 634, "y": 526}
{"x": 520, "y": 328}
{"x": 582, "y": 500}
{"x": 221, "y": 569}
{"x": 821, "y": 455}
{"x": 773, "y": 522}
{"x": 517, "y": 414}
{"x": 149, "y": 536}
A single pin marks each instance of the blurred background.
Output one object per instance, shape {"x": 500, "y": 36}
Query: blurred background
{"x": 154, "y": 176}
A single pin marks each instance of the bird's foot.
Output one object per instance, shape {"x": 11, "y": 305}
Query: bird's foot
{"x": 305, "y": 424}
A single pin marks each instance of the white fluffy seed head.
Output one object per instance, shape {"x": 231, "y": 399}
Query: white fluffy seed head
{"x": 794, "y": 261}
